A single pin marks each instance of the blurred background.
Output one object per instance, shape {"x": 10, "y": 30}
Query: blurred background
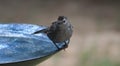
{"x": 96, "y": 38}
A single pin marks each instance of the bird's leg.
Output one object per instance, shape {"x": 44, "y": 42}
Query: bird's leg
{"x": 66, "y": 44}
{"x": 57, "y": 46}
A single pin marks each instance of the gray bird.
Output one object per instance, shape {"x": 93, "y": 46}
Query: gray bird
{"x": 59, "y": 31}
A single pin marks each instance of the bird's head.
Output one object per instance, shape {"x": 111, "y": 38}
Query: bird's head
{"x": 61, "y": 22}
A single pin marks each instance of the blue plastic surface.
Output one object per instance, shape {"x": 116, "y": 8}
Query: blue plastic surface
{"x": 17, "y": 43}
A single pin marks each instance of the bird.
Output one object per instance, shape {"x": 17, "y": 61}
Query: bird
{"x": 61, "y": 30}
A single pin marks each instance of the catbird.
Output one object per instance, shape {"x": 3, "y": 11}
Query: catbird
{"x": 60, "y": 31}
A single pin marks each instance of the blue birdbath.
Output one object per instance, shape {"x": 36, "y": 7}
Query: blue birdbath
{"x": 20, "y": 47}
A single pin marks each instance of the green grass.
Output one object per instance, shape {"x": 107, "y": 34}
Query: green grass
{"x": 89, "y": 58}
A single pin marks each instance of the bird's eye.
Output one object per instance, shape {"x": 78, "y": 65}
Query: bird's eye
{"x": 64, "y": 21}
{"x": 61, "y": 22}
